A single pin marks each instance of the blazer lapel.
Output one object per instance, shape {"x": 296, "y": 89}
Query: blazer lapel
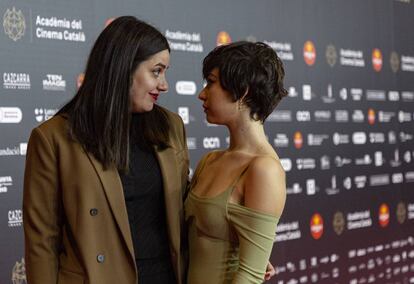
{"x": 112, "y": 186}
{"x": 173, "y": 203}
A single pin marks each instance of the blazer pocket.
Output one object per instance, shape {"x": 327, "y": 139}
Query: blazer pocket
{"x": 68, "y": 277}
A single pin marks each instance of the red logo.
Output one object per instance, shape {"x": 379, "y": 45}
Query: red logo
{"x": 79, "y": 80}
{"x": 377, "y": 59}
{"x": 298, "y": 140}
{"x": 384, "y": 215}
{"x": 223, "y": 38}
{"x": 371, "y": 116}
{"x": 309, "y": 53}
{"x": 316, "y": 226}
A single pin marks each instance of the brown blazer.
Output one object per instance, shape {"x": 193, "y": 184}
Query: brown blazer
{"x": 74, "y": 214}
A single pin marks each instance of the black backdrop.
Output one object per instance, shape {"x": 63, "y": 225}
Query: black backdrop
{"x": 345, "y": 132}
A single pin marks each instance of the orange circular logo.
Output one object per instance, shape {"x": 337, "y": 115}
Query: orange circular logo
{"x": 384, "y": 215}
{"x": 109, "y": 21}
{"x": 298, "y": 140}
{"x": 223, "y": 38}
{"x": 316, "y": 226}
{"x": 79, "y": 80}
{"x": 309, "y": 53}
{"x": 377, "y": 59}
{"x": 371, "y": 116}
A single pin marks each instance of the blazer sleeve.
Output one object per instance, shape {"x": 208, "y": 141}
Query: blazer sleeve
{"x": 41, "y": 211}
{"x": 186, "y": 165}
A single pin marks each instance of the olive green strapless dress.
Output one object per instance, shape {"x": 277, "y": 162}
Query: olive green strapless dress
{"x": 228, "y": 243}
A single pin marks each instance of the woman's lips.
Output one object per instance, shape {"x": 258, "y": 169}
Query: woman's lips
{"x": 154, "y": 96}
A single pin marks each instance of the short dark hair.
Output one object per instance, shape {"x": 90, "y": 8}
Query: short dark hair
{"x": 100, "y": 113}
{"x": 253, "y": 67}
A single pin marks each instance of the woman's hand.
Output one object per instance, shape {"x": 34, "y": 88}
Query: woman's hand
{"x": 270, "y": 271}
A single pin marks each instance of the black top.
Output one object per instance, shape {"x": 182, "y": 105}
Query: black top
{"x": 144, "y": 198}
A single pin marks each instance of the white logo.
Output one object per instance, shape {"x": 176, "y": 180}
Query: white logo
{"x": 23, "y": 149}
{"x": 358, "y": 116}
{"x": 379, "y": 159}
{"x": 329, "y": 95}
{"x": 350, "y": 57}
{"x": 343, "y": 94}
{"x": 14, "y": 151}
{"x": 316, "y": 139}
{"x": 325, "y": 163}
{"x": 393, "y": 96}
{"x": 404, "y": 137}
{"x": 397, "y": 178}
{"x": 376, "y": 95}
{"x": 292, "y": 92}
{"x": 404, "y": 116}
{"x": 10, "y": 115}
{"x": 385, "y": 116}
{"x": 341, "y": 116}
{"x": 286, "y": 164}
{"x": 42, "y": 114}
{"x": 364, "y": 161}
{"x": 379, "y": 180}
{"x": 5, "y": 183}
{"x": 376, "y": 137}
{"x": 184, "y": 112}
{"x": 280, "y": 116}
{"x": 14, "y": 24}
{"x": 54, "y": 82}
{"x": 20, "y": 81}
{"x": 295, "y": 189}
{"x": 211, "y": 142}
{"x": 356, "y": 94}
{"x": 185, "y": 88}
{"x": 347, "y": 183}
{"x": 281, "y": 140}
{"x": 306, "y": 92}
{"x": 407, "y": 157}
{"x": 341, "y": 161}
{"x": 184, "y": 41}
{"x": 360, "y": 181}
{"x": 192, "y": 143}
{"x": 322, "y": 115}
{"x": 305, "y": 164}
{"x": 396, "y": 161}
{"x": 15, "y": 218}
{"x": 407, "y": 96}
{"x": 303, "y": 115}
{"x": 340, "y": 138}
{"x": 311, "y": 187}
{"x": 333, "y": 189}
{"x": 359, "y": 138}
{"x": 392, "y": 138}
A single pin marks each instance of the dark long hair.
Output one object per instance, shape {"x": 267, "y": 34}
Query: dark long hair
{"x": 99, "y": 115}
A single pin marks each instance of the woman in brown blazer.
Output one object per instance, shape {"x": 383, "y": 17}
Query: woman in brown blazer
{"x": 105, "y": 177}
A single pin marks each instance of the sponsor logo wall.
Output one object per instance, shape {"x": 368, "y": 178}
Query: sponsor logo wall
{"x": 344, "y": 133}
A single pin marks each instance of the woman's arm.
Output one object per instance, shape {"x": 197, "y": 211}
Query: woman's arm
{"x": 255, "y": 222}
{"x": 41, "y": 211}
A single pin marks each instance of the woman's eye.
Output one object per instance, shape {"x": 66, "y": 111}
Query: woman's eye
{"x": 156, "y": 72}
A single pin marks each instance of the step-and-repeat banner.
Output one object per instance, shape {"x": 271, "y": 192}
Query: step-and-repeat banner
{"x": 345, "y": 133}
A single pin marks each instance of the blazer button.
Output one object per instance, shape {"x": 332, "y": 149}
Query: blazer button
{"x": 93, "y": 212}
{"x": 100, "y": 258}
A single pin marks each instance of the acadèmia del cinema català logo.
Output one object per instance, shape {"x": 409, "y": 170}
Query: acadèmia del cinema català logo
{"x": 19, "y": 273}
{"x": 14, "y": 24}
